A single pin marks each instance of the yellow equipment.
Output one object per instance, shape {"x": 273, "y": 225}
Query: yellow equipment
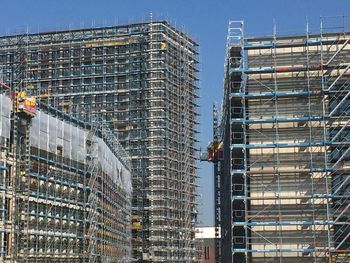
{"x": 26, "y": 104}
{"x": 136, "y": 223}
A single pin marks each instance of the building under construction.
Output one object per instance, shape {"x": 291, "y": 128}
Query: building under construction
{"x": 65, "y": 188}
{"x": 141, "y": 79}
{"x": 283, "y": 181}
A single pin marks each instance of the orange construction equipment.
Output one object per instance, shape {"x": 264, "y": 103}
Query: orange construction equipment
{"x": 215, "y": 152}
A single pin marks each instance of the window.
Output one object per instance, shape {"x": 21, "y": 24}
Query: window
{"x": 59, "y": 150}
{"x": 33, "y": 56}
{"x": 238, "y": 240}
{"x": 65, "y": 53}
{"x": 99, "y": 51}
{"x": 87, "y": 52}
{"x": 238, "y": 187}
{"x": 44, "y": 55}
{"x": 239, "y": 213}
{"x": 76, "y": 52}
{"x": 207, "y": 252}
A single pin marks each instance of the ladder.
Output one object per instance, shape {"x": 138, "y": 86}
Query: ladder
{"x": 92, "y": 197}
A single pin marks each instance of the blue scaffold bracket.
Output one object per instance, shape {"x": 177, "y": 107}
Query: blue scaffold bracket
{"x": 287, "y": 223}
{"x": 243, "y": 250}
{"x": 238, "y": 171}
{"x": 239, "y": 197}
{"x": 264, "y": 44}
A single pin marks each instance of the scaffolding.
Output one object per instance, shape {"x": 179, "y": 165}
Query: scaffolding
{"x": 286, "y": 123}
{"x": 65, "y": 183}
{"x": 142, "y": 80}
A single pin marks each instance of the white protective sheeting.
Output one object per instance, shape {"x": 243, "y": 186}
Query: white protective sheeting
{"x": 5, "y": 114}
{"x": 112, "y": 166}
{"x": 50, "y": 134}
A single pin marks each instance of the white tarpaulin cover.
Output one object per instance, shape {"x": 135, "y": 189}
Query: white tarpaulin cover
{"x": 5, "y": 111}
{"x": 50, "y": 134}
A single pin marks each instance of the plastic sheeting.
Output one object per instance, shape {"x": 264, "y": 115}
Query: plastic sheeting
{"x": 112, "y": 166}
{"x": 52, "y": 134}
{"x": 5, "y": 114}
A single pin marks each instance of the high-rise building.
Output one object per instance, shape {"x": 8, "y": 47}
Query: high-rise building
{"x": 205, "y": 237}
{"x": 283, "y": 182}
{"x": 142, "y": 80}
{"x": 65, "y": 189}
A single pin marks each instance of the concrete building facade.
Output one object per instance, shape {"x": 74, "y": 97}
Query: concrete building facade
{"x": 206, "y": 238}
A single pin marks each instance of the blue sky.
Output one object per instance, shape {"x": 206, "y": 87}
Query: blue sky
{"x": 206, "y": 21}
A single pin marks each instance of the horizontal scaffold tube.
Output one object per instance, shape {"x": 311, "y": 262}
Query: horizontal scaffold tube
{"x": 285, "y": 69}
{"x": 285, "y": 223}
